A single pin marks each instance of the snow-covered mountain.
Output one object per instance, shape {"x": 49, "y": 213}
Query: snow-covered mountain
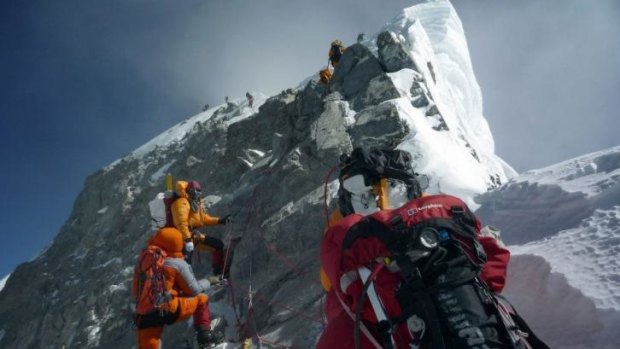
{"x": 565, "y": 219}
{"x": 411, "y": 85}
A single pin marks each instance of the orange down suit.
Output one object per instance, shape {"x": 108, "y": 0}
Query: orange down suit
{"x": 187, "y": 297}
{"x": 185, "y": 219}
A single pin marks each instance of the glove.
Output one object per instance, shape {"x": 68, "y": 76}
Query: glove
{"x": 189, "y": 246}
{"x": 197, "y": 236}
{"x": 225, "y": 220}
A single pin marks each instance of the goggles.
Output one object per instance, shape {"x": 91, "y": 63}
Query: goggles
{"x": 365, "y": 199}
{"x": 194, "y": 194}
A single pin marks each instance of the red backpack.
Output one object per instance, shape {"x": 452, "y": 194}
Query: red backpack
{"x": 149, "y": 281}
{"x": 412, "y": 276}
{"x": 168, "y": 201}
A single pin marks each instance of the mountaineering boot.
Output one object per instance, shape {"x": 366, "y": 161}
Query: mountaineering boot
{"x": 215, "y": 280}
{"x": 208, "y": 338}
{"x": 222, "y": 261}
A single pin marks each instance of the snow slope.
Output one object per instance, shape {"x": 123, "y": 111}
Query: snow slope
{"x": 460, "y": 160}
{"x": 176, "y": 133}
{"x": 564, "y": 224}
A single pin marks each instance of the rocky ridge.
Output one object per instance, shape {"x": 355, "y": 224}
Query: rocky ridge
{"x": 268, "y": 170}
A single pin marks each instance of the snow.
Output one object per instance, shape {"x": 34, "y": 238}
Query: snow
{"x": 116, "y": 260}
{"x": 103, "y": 210}
{"x": 79, "y": 254}
{"x": 157, "y": 209}
{"x": 257, "y": 152}
{"x": 587, "y": 256}
{"x": 590, "y": 174}
{"x": 436, "y": 35}
{"x": 440, "y": 156}
{"x": 114, "y": 288}
{"x": 458, "y": 156}
{"x": 560, "y": 314}
{"x": 160, "y": 173}
{"x": 211, "y": 200}
{"x": 3, "y": 282}
{"x": 249, "y": 164}
{"x": 259, "y": 99}
{"x": 562, "y": 223}
{"x": 94, "y": 330}
{"x": 176, "y": 133}
{"x": 403, "y": 80}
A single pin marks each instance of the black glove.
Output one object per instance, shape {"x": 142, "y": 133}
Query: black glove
{"x": 225, "y": 220}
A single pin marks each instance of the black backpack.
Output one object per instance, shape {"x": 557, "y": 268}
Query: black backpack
{"x": 433, "y": 240}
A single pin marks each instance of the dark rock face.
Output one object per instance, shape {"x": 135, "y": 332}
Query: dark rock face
{"x": 360, "y": 78}
{"x": 379, "y": 126}
{"x": 393, "y": 54}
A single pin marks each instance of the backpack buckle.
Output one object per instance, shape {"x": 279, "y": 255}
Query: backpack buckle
{"x": 457, "y": 210}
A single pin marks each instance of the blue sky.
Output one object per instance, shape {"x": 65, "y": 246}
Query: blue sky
{"x": 85, "y": 82}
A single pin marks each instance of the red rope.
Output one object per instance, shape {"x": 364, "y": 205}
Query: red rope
{"x": 291, "y": 266}
{"x": 283, "y": 258}
{"x": 231, "y": 294}
{"x": 229, "y": 235}
{"x": 289, "y": 308}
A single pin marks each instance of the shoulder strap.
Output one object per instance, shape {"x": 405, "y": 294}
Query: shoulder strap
{"x": 362, "y": 327}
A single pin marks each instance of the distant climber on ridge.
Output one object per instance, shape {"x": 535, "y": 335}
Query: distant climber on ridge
{"x": 360, "y": 38}
{"x": 250, "y": 99}
{"x": 335, "y": 52}
{"x": 166, "y": 291}
{"x": 188, "y": 214}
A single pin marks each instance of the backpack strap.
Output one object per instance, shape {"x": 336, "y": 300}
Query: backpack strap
{"x": 521, "y": 325}
{"x": 384, "y": 325}
{"x": 362, "y": 327}
{"x": 417, "y": 290}
{"x": 468, "y": 223}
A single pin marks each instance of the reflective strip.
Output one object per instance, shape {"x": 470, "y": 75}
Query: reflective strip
{"x": 372, "y": 294}
{"x": 347, "y": 279}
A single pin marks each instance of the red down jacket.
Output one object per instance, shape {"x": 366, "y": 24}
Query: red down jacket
{"x": 340, "y": 263}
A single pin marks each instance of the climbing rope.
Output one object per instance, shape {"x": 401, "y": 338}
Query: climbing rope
{"x": 250, "y": 206}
